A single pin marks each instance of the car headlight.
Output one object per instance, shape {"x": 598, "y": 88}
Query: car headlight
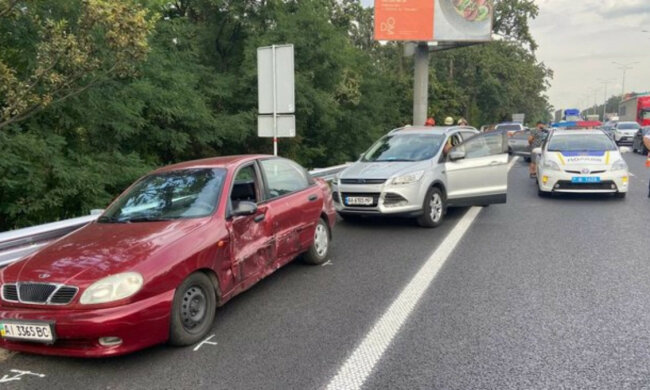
{"x": 619, "y": 165}
{"x": 112, "y": 288}
{"x": 407, "y": 179}
{"x": 551, "y": 165}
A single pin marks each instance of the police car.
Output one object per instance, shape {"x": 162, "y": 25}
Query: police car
{"x": 581, "y": 161}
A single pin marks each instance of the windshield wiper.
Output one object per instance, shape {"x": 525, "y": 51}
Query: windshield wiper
{"x": 107, "y": 219}
{"x": 146, "y": 219}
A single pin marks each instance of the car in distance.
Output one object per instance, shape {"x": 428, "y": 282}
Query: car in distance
{"x": 584, "y": 161}
{"x": 407, "y": 173}
{"x": 509, "y": 128}
{"x": 173, "y": 247}
{"x": 638, "y": 146}
{"x": 518, "y": 144}
{"x": 624, "y": 132}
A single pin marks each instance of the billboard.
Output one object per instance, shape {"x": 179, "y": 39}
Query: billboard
{"x": 433, "y": 20}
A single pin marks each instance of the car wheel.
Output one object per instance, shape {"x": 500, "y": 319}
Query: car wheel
{"x": 621, "y": 195}
{"x": 434, "y": 208}
{"x": 193, "y": 310}
{"x": 318, "y": 251}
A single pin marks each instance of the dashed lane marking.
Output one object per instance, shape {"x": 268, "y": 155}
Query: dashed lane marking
{"x": 356, "y": 369}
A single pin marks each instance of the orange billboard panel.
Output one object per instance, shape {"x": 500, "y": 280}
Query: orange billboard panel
{"x": 404, "y": 20}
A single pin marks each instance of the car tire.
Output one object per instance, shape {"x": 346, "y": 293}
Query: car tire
{"x": 319, "y": 249}
{"x": 621, "y": 195}
{"x": 434, "y": 208}
{"x": 193, "y": 310}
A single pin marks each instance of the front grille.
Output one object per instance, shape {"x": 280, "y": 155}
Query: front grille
{"x": 10, "y": 293}
{"x": 580, "y": 173}
{"x": 363, "y": 181}
{"x": 391, "y": 199}
{"x": 374, "y": 195}
{"x": 63, "y": 295}
{"x": 38, "y": 293}
{"x": 35, "y": 292}
{"x": 568, "y": 185}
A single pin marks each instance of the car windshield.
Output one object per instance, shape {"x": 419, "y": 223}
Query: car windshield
{"x": 404, "y": 147}
{"x": 580, "y": 142}
{"x": 508, "y": 127}
{"x": 189, "y": 193}
{"x": 628, "y": 126}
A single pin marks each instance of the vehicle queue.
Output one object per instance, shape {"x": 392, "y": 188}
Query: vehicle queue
{"x": 185, "y": 239}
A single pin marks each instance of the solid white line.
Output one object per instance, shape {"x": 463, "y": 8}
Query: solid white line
{"x": 206, "y": 341}
{"x": 356, "y": 369}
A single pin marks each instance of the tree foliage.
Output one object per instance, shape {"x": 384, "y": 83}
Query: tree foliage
{"x": 94, "y": 93}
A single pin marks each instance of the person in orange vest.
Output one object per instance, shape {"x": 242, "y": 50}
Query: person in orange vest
{"x": 430, "y": 122}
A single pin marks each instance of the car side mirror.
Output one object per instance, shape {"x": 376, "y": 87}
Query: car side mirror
{"x": 537, "y": 151}
{"x": 456, "y": 154}
{"x": 244, "y": 207}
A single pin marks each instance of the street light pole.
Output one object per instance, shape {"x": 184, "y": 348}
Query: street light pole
{"x": 605, "y": 82}
{"x": 625, "y": 68}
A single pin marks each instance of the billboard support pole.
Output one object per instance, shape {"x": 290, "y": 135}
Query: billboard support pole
{"x": 275, "y": 105}
{"x": 421, "y": 84}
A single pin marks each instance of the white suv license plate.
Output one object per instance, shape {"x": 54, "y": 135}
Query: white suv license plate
{"x": 28, "y": 331}
{"x": 358, "y": 201}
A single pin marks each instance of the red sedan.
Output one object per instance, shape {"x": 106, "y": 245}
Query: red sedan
{"x": 173, "y": 247}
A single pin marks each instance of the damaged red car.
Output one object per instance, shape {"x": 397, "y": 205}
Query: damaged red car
{"x": 173, "y": 247}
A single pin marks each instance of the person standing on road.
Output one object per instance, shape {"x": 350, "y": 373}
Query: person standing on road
{"x": 462, "y": 122}
{"x": 449, "y": 121}
{"x": 646, "y": 142}
{"x": 535, "y": 140}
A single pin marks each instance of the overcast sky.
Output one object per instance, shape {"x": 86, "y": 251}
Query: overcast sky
{"x": 579, "y": 40}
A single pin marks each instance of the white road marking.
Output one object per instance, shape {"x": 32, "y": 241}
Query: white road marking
{"x": 631, "y": 174}
{"x": 356, "y": 369}
{"x": 328, "y": 262}
{"x": 206, "y": 341}
{"x": 18, "y": 374}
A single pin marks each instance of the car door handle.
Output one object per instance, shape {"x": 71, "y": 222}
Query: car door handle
{"x": 313, "y": 198}
{"x": 259, "y": 218}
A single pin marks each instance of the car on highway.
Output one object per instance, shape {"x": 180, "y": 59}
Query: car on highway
{"x": 509, "y": 128}
{"x": 638, "y": 146}
{"x": 624, "y": 132}
{"x": 409, "y": 173}
{"x": 584, "y": 161}
{"x": 518, "y": 144}
{"x": 154, "y": 267}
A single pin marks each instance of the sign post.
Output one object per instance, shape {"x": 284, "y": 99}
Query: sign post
{"x": 276, "y": 96}
{"x": 432, "y": 25}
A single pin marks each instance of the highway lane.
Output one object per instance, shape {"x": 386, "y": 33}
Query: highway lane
{"x": 546, "y": 293}
{"x": 501, "y": 313}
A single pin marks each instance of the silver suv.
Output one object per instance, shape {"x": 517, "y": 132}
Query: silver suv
{"x": 420, "y": 171}
{"x": 624, "y": 132}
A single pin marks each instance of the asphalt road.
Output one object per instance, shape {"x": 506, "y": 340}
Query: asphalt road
{"x": 539, "y": 293}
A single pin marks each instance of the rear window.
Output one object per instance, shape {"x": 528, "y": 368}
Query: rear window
{"x": 580, "y": 143}
{"x": 509, "y": 127}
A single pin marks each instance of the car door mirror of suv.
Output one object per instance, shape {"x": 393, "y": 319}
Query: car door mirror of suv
{"x": 243, "y": 207}
{"x": 456, "y": 154}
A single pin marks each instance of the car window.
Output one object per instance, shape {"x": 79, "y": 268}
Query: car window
{"x": 486, "y": 145}
{"x": 521, "y": 134}
{"x": 245, "y": 186}
{"x": 628, "y": 126}
{"x": 509, "y": 127}
{"x": 586, "y": 143}
{"x": 283, "y": 177}
{"x": 404, "y": 147}
{"x": 467, "y": 134}
{"x": 188, "y": 193}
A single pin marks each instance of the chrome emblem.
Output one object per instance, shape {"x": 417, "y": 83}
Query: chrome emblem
{"x": 44, "y": 276}
{"x": 585, "y": 170}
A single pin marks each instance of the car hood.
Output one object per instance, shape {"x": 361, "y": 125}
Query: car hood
{"x": 382, "y": 170}
{"x": 99, "y": 250}
{"x": 593, "y": 159}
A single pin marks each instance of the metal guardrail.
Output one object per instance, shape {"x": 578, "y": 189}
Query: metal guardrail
{"x": 16, "y": 244}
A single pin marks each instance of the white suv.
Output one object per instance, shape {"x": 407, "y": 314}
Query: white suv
{"x": 624, "y": 132}
{"x": 407, "y": 173}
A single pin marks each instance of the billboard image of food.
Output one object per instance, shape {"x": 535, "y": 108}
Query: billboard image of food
{"x": 433, "y": 20}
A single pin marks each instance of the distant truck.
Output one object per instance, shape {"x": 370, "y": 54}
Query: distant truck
{"x": 635, "y": 109}
{"x": 593, "y": 117}
{"x": 570, "y": 114}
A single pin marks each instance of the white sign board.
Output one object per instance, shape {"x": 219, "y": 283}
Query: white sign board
{"x": 275, "y": 80}
{"x": 286, "y": 126}
{"x": 518, "y": 118}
